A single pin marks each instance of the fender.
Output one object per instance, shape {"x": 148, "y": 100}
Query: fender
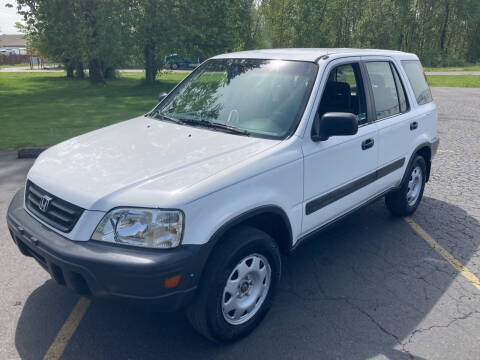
{"x": 433, "y": 146}
{"x": 209, "y": 246}
{"x": 264, "y": 209}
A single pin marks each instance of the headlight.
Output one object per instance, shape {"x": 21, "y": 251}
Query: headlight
{"x": 141, "y": 227}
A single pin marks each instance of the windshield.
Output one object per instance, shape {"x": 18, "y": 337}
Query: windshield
{"x": 261, "y": 97}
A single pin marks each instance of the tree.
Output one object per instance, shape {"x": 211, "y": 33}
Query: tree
{"x": 49, "y": 25}
{"x": 155, "y": 31}
{"x": 439, "y": 31}
{"x": 74, "y": 32}
{"x": 192, "y": 28}
{"x": 104, "y": 34}
{"x": 213, "y": 27}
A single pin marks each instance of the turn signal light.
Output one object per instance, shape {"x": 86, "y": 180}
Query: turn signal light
{"x": 172, "y": 282}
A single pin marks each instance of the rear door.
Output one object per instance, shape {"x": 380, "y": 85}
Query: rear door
{"x": 424, "y": 111}
{"x": 339, "y": 172}
{"x": 393, "y": 118}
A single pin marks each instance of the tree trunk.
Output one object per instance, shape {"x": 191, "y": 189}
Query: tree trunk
{"x": 79, "y": 72}
{"x": 95, "y": 64}
{"x": 150, "y": 63}
{"x": 96, "y": 71}
{"x": 109, "y": 73}
{"x": 443, "y": 35}
{"x": 70, "y": 67}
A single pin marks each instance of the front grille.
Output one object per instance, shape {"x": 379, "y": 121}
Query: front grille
{"x": 59, "y": 213}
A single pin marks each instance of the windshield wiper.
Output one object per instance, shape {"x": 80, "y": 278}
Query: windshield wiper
{"x": 158, "y": 114}
{"x": 230, "y": 128}
{"x": 204, "y": 123}
{"x": 214, "y": 125}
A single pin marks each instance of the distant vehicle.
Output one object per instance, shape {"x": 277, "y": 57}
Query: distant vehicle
{"x": 193, "y": 204}
{"x": 6, "y": 51}
{"x": 12, "y": 51}
{"x": 175, "y": 62}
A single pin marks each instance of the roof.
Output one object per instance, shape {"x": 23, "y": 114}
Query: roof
{"x": 13, "y": 41}
{"x": 309, "y": 54}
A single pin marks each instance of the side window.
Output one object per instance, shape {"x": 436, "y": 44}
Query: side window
{"x": 416, "y": 76}
{"x": 344, "y": 92}
{"x": 384, "y": 89}
{"x": 402, "y": 95}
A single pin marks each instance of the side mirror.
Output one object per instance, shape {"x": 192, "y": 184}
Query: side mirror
{"x": 162, "y": 96}
{"x": 334, "y": 124}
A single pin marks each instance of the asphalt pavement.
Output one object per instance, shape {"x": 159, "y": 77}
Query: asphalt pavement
{"x": 368, "y": 288}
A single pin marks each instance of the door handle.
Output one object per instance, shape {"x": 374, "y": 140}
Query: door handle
{"x": 367, "y": 144}
{"x": 413, "y": 125}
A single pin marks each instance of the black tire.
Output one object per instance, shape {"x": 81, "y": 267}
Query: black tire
{"x": 397, "y": 201}
{"x": 205, "y": 313}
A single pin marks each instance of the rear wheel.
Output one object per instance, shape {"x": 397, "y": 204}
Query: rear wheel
{"x": 238, "y": 285}
{"x": 404, "y": 201}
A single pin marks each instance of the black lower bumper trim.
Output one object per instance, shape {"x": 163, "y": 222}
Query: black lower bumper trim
{"x": 98, "y": 269}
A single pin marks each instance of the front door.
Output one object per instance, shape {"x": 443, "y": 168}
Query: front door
{"x": 339, "y": 173}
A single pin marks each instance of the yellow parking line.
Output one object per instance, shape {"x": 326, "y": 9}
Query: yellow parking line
{"x": 67, "y": 330}
{"x": 467, "y": 274}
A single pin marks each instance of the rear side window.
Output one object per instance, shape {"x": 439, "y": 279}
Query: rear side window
{"x": 414, "y": 71}
{"x": 384, "y": 89}
{"x": 402, "y": 97}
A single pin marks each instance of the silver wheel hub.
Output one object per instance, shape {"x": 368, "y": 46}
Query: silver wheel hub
{"x": 414, "y": 186}
{"x": 246, "y": 289}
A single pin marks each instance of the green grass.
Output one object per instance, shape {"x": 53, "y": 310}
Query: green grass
{"x": 44, "y": 109}
{"x": 465, "y": 68}
{"x": 471, "y": 81}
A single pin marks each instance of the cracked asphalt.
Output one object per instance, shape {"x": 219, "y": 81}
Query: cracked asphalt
{"x": 368, "y": 288}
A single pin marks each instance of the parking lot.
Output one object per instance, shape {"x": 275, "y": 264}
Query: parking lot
{"x": 371, "y": 287}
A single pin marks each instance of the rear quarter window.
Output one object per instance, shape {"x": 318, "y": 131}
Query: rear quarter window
{"x": 416, "y": 76}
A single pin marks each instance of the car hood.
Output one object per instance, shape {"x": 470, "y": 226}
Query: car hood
{"x": 154, "y": 159}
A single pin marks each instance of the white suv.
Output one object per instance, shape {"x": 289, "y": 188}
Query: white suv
{"x": 193, "y": 204}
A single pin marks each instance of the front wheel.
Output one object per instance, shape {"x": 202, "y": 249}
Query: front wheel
{"x": 404, "y": 201}
{"x": 238, "y": 286}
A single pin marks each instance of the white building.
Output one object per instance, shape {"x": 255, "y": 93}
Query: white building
{"x": 13, "y": 44}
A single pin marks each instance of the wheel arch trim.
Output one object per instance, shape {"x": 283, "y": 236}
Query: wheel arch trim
{"x": 432, "y": 146}
{"x": 249, "y": 214}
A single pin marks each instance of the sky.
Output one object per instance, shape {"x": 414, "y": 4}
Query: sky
{"x": 8, "y": 17}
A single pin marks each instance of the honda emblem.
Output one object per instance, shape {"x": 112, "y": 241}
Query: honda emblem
{"x": 45, "y": 202}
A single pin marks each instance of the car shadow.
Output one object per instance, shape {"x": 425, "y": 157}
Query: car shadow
{"x": 358, "y": 290}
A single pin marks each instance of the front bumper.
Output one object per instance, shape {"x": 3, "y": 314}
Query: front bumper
{"x": 93, "y": 268}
